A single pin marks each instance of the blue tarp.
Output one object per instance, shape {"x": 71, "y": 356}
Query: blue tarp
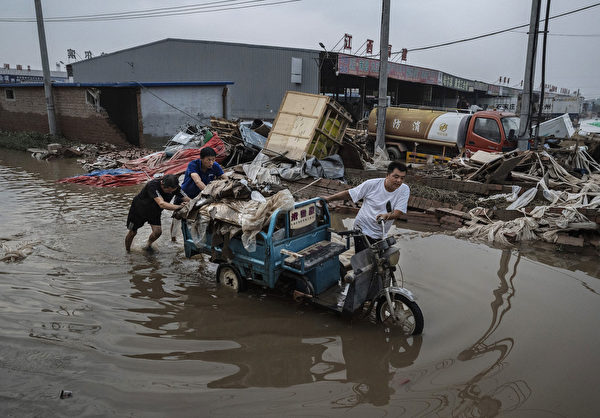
{"x": 112, "y": 172}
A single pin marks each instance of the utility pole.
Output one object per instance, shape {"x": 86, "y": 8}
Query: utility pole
{"x": 528, "y": 79}
{"x": 383, "y": 74}
{"x": 46, "y": 68}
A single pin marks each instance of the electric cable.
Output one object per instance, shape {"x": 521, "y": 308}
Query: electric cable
{"x": 496, "y": 32}
{"x": 167, "y": 103}
{"x": 167, "y": 12}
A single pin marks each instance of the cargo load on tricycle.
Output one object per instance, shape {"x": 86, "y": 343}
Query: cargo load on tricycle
{"x": 287, "y": 245}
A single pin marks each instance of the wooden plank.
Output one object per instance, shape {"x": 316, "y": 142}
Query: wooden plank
{"x": 484, "y": 157}
{"x": 500, "y": 174}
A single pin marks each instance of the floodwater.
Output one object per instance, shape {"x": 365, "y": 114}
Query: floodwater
{"x": 507, "y": 333}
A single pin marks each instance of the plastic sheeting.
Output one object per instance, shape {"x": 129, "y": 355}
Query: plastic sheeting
{"x": 260, "y": 170}
{"x": 381, "y": 160}
{"x": 231, "y": 215}
{"x": 252, "y": 138}
{"x": 331, "y": 167}
{"x": 150, "y": 166}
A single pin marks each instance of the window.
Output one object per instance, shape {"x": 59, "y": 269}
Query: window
{"x": 92, "y": 97}
{"x": 487, "y": 128}
{"x": 9, "y": 94}
{"x": 510, "y": 124}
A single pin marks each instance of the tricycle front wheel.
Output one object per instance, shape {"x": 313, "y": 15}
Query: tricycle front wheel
{"x": 229, "y": 277}
{"x": 409, "y": 317}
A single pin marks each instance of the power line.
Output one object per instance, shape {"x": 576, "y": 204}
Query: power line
{"x": 592, "y": 35}
{"x": 496, "y": 32}
{"x": 215, "y": 6}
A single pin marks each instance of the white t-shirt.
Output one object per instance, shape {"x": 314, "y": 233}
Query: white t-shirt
{"x": 375, "y": 199}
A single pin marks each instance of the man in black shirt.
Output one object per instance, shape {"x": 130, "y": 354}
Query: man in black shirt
{"x": 147, "y": 206}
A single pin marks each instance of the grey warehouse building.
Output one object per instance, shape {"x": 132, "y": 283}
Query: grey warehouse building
{"x": 254, "y": 77}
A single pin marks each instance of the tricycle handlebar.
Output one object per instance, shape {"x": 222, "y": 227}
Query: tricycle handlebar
{"x": 350, "y": 232}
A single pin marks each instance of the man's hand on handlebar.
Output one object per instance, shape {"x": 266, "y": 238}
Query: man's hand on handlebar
{"x": 383, "y": 217}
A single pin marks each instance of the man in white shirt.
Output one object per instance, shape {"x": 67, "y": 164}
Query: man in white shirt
{"x": 383, "y": 198}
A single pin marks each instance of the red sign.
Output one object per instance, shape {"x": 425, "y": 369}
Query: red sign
{"x": 348, "y": 64}
{"x": 369, "y": 46}
{"x": 347, "y": 41}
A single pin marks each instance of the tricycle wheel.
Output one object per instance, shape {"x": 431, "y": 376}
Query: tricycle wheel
{"x": 409, "y": 317}
{"x": 229, "y": 277}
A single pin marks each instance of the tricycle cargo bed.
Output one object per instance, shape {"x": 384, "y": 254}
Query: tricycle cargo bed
{"x": 302, "y": 232}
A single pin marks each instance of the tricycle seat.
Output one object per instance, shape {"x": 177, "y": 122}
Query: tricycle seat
{"x": 315, "y": 255}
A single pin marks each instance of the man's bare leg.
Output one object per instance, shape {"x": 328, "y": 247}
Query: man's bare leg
{"x": 156, "y": 232}
{"x": 129, "y": 239}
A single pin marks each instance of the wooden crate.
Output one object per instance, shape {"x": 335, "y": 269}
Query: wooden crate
{"x": 307, "y": 125}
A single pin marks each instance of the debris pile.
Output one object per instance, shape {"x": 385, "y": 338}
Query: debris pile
{"x": 229, "y": 207}
{"x": 551, "y": 195}
{"x": 145, "y": 168}
{"x": 10, "y": 253}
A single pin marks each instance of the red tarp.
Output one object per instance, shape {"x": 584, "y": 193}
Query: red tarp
{"x": 150, "y": 165}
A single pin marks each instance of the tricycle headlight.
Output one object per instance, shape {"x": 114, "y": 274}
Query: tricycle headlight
{"x": 394, "y": 258}
{"x": 393, "y": 255}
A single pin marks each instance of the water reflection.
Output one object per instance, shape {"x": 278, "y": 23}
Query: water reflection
{"x": 271, "y": 341}
{"x": 475, "y": 400}
{"x": 483, "y": 394}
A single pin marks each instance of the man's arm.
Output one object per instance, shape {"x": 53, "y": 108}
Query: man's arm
{"x": 343, "y": 195}
{"x": 196, "y": 178}
{"x": 392, "y": 215}
{"x": 165, "y": 205}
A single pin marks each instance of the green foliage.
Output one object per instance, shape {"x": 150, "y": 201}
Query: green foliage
{"x": 24, "y": 140}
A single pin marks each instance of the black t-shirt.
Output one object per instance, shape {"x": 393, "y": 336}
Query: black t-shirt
{"x": 144, "y": 201}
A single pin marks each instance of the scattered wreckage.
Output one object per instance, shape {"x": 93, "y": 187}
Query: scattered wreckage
{"x": 551, "y": 194}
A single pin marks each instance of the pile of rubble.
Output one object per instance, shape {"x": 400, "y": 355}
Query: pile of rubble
{"x": 91, "y": 156}
{"x": 551, "y": 195}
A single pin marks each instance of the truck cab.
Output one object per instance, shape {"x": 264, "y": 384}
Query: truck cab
{"x": 491, "y": 131}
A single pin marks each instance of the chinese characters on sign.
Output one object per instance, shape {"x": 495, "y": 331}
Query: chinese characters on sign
{"x": 347, "y": 41}
{"x": 302, "y": 216}
{"x": 370, "y": 67}
{"x": 457, "y": 83}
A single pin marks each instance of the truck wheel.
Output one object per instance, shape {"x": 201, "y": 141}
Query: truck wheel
{"x": 229, "y": 277}
{"x": 394, "y": 153}
{"x": 409, "y": 318}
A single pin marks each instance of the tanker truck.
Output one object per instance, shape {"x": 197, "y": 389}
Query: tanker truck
{"x": 422, "y": 135}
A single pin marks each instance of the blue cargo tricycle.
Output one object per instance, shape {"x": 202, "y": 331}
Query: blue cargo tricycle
{"x": 295, "y": 253}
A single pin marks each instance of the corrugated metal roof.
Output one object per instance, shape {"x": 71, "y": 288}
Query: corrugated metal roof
{"x": 197, "y": 41}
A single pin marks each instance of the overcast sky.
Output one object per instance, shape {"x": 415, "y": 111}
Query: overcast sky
{"x": 572, "y": 57}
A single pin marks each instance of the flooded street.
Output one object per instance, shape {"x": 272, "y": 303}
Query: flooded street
{"x": 507, "y": 333}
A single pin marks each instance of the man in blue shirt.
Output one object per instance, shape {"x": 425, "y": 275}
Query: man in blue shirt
{"x": 200, "y": 172}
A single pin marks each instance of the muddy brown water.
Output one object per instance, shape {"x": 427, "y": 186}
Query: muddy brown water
{"x": 511, "y": 333}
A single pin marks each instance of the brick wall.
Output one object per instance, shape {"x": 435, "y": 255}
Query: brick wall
{"x": 77, "y": 120}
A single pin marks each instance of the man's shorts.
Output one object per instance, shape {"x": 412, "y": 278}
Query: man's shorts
{"x": 135, "y": 219}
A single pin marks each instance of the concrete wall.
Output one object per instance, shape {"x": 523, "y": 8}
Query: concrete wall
{"x": 77, "y": 120}
{"x": 261, "y": 74}
{"x": 159, "y": 105}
